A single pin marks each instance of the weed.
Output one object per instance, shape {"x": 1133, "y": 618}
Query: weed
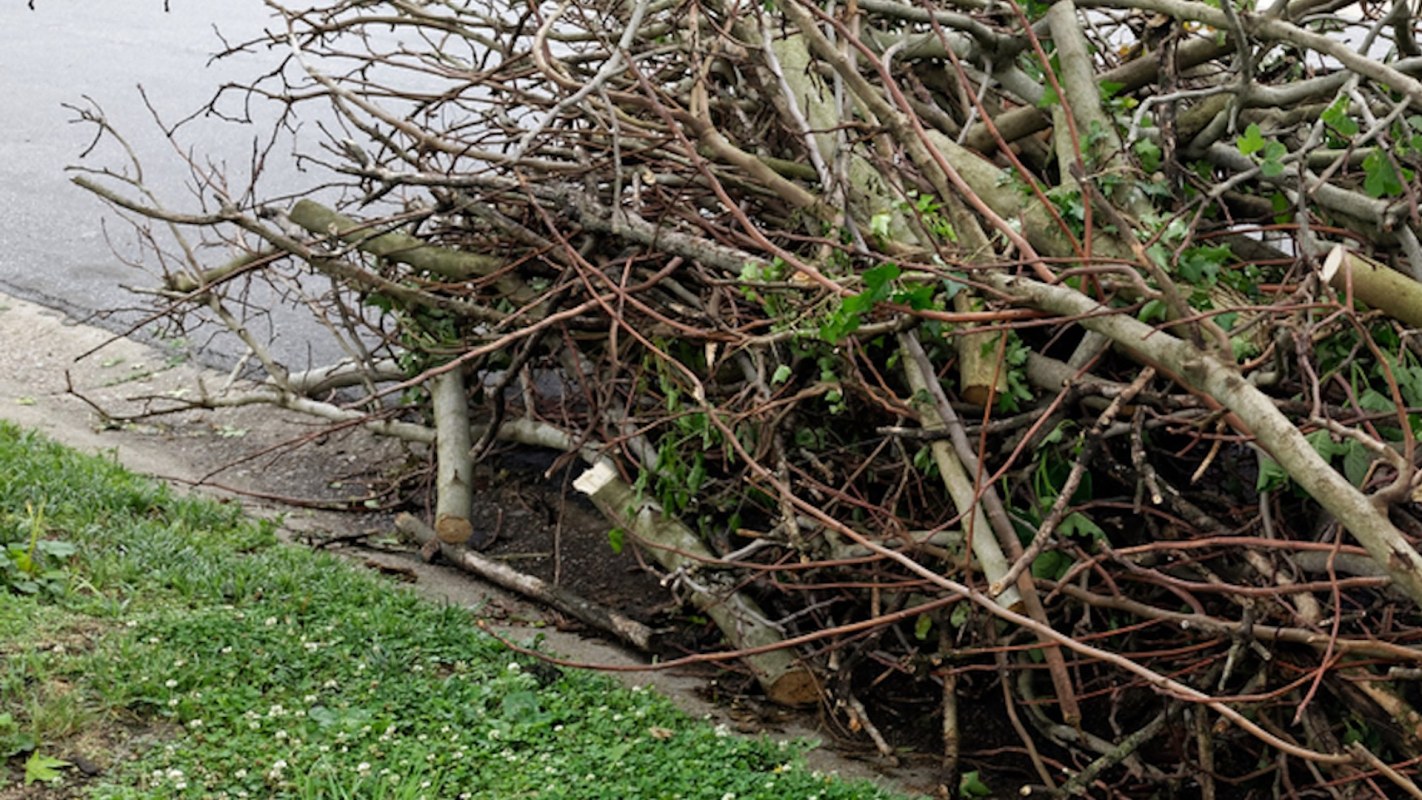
{"x": 282, "y": 673}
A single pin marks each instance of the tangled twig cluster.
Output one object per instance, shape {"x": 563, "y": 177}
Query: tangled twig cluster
{"x": 986, "y": 359}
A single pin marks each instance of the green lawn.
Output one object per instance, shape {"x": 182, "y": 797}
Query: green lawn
{"x": 183, "y": 652}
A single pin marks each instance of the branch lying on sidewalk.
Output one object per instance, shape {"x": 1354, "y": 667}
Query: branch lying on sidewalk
{"x": 604, "y": 619}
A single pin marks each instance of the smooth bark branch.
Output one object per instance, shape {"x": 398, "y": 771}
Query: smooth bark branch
{"x": 960, "y": 486}
{"x": 1204, "y": 373}
{"x": 454, "y": 500}
{"x": 405, "y": 249}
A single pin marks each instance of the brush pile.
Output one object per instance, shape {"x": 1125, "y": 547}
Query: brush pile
{"x": 1040, "y": 381}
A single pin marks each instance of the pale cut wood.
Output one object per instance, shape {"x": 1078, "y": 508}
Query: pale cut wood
{"x": 1381, "y": 287}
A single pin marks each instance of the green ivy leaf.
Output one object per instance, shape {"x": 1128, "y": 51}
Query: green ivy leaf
{"x": 1380, "y": 178}
{"x": 1201, "y": 265}
{"x": 1149, "y": 153}
{"x": 782, "y": 374}
{"x": 1251, "y": 142}
{"x": 877, "y": 279}
{"x": 1336, "y": 117}
{"x": 43, "y": 769}
{"x": 917, "y": 297}
{"x": 1078, "y": 524}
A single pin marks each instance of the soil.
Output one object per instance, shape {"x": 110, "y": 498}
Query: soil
{"x": 87, "y": 389}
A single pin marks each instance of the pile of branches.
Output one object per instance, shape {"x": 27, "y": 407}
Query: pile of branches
{"x": 1048, "y": 366}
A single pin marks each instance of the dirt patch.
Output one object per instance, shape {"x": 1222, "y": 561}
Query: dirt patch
{"x": 256, "y": 454}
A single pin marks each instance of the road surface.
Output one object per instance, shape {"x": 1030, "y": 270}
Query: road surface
{"x": 59, "y": 245}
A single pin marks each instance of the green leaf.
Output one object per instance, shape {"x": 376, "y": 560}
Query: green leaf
{"x": 520, "y": 706}
{"x": 1336, "y": 117}
{"x": 43, "y": 769}
{"x": 917, "y": 297}
{"x": 1201, "y": 265}
{"x": 1271, "y": 169}
{"x": 1049, "y": 97}
{"x": 1322, "y": 443}
{"x": 1051, "y": 565}
{"x": 615, "y": 539}
{"x": 1373, "y": 400}
{"x": 1153, "y": 311}
{"x": 879, "y": 224}
{"x": 782, "y": 374}
{"x": 1356, "y": 462}
{"x": 877, "y": 279}
{"x": 1078, "y": 524}
{"x": 1271, "y": 475}
{"x": 55, "y": 548}
{"x": 1251, "y": 142}
{"x": 971, "y": 785}
{"x": 1149, "y": 154}
{"x": 959, "y": 616}
{"x": 922, "y": 626}
{"x": 1380, "y": 179}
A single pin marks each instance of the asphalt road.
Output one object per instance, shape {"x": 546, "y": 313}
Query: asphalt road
{"x": 59, "y": 245}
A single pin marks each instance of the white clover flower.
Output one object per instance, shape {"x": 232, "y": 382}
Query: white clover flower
{"x": 728, "y": 796}
{"x": 269, "y": 621}
{"x": 170, "y": 683}
{"x": 194, "y": 724}
{"x": 363, "y": 768}
{"x": 240, "y": 774}
{"x": 280, "y": 735}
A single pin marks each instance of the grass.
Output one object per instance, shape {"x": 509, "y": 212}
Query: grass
{"x": 186, "y": 653}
